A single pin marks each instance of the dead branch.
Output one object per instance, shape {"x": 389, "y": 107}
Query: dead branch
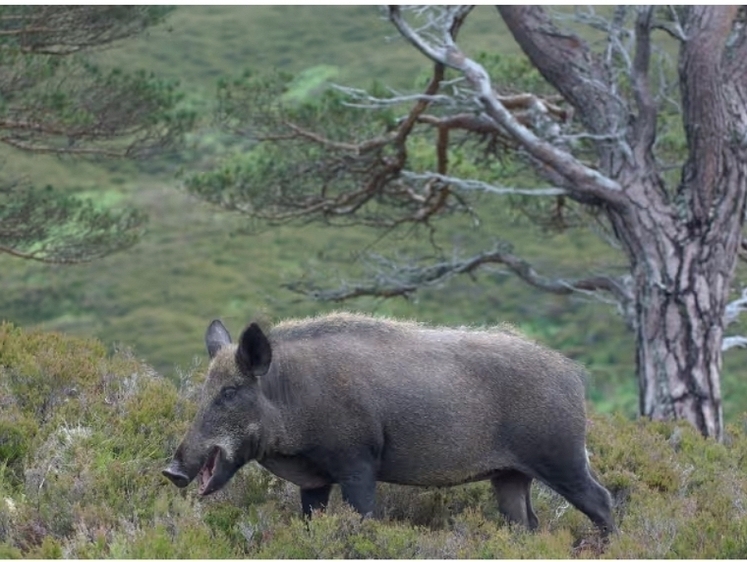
{"x": 404, "y": 280}
{"x": 673, "y": 27}
{"x": 476, "y": 185}
{"x": 584, "y": 180}
{"x": 735, "y": 308}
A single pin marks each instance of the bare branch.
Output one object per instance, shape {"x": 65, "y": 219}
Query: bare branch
{"x": 735, "y": 308}
{"x": 586, "y": 181}
{"x": 526, "y": 102}
{"x": 403, "y": 280}
{"x": 366, "y": 101}
{"x": 476, "y": 185}
{"x": 674, "y": 27}
{"x": 667, "y": 86}
{"x": 731, "y": 314}
{"x": 733, "y": 341}
{"x": 48, "y": 257}
{"x": 615, "y": 46}
{"x": 586, "y": 15}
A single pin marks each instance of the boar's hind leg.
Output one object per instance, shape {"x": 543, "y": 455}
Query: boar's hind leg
{"x": 513, "y": 492}
{"x": 582, "y": 490}
{"x": 314, "y": 499}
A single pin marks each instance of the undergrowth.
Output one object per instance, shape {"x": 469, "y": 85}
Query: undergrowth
{"x": 84, "y": 433}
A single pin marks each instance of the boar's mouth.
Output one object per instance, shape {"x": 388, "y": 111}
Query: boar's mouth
{"x": 216, "y": 472}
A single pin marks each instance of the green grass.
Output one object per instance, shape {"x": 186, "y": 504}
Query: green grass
{"x": 87, "y": 424}
{"x": 84, "y": 433}
{"x": 200, "y": 44}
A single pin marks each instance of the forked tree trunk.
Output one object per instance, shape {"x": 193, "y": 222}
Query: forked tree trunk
{"x": 682, "y": 243}
{"x": 682, "y": 256}
{"x": 682, "y": 265}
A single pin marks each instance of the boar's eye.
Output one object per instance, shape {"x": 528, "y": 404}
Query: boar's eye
{"x": 228, "y": 393}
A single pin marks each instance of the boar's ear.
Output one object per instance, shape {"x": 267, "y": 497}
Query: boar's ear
{"x": 216, "y": 337}
{"x": 254, "y": 354}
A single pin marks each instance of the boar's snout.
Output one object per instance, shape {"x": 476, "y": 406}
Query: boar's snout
{"x": 176, "y": 474}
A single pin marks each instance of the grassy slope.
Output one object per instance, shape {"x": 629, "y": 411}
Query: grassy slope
{"x": 84, "y": 434}
{"x": 200, "y": 44}
{"x": 191, "y": 267}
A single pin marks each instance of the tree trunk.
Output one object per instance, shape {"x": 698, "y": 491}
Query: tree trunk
{"x": 682, "y": 242}
{"x": 679, "y": 331}
{"x": 682, "y": 271}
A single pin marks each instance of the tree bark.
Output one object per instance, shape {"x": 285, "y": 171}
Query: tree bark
{"x": 682, "y": 270}
{"x": 681, "y": 284}
{"x": 680, "y": 287}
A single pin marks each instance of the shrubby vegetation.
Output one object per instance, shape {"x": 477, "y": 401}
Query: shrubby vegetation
{"x": 84, "y": 433}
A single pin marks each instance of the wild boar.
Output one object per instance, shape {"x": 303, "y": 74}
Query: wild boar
{"x": 351, "y": 400}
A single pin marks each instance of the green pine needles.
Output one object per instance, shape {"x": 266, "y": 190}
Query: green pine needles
{"x": 53, "y": 100}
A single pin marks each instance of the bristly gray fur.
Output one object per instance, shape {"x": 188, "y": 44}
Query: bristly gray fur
{"x": 351, "y": 399}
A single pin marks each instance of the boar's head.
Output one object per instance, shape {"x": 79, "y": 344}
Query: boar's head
{"x": 226, "y": 432}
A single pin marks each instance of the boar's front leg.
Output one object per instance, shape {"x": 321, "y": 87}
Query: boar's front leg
{"x": 358, "y": 486}
{"x": 314, "y": 499}
{"x": 355, "y": 470}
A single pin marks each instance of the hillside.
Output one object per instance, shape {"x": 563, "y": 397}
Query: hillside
{"x": 85, "y": 433}
{"x": 195, "y": 264}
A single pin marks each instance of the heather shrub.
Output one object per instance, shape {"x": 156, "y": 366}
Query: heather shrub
{"x": 84, "y": 433}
